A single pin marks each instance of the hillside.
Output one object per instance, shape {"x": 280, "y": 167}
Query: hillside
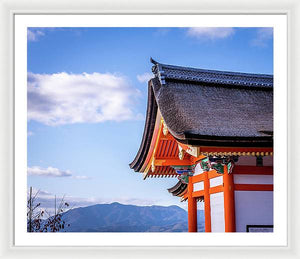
{"x": 118, "y": 217}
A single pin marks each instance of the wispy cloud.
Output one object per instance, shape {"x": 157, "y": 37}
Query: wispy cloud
{"x": 62, "y": 98}
{"x": 34, "y": 35}
{"x": 49, "y": 171}
{"x": 263, "y": 36}
{"x": 47, "y": 200}
{"x": 144, "y": 77}
{"x": 53, "y": 172}
{"x": 210, "y": 33}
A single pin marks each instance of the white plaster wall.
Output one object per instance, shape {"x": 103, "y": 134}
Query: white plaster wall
{"x": 198, "y": 169}
{"x": 253, "y": 208}
{"x": 198, "y": 186}
{"x": 217, "y": 212}
{"x": 252, "y": 179}
{"x": 216, "y": 181}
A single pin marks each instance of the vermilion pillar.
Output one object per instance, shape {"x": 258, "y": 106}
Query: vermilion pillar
{"x": 229, "y": 208}
{"x": 207, "y": 203}
{"x": 192, "y": 208}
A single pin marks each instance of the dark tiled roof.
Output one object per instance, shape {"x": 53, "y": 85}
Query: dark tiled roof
{"x": 209, "y": 108}
{"x": 178, "y": 188}
{"x": 216, "y": 113}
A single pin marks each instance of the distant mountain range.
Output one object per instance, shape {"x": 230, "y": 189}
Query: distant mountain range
{"x": 116, "y": 217}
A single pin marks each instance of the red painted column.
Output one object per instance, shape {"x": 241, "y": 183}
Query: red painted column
{"x": 207, "y": 203}
{"x": 229, "y": 207}
{"x": 192, "y": 208}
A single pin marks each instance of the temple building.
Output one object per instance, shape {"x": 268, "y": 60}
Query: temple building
{"x": 213, "y": 130}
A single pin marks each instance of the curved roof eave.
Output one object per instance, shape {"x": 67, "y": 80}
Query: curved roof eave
{"x": 151, "y": 113}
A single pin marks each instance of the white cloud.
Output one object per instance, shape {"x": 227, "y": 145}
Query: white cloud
{"x": 53, "y": 172}
{"x": 210, "y": 33}
{"x": 38, "y": 192}
{"x": 47, "y": 200}
{"x": 263, "y": 35}
{"x": 62, "y": 98}
{"x": 144, "y": 77}
{"x": 49, "y": 171}
{"x": 34, "y": 35}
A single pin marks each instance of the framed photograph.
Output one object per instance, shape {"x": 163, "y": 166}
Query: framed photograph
{"x": 96, "y": 115}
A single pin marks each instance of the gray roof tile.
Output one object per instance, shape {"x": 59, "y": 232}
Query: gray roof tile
{"x": 168, "y": 72}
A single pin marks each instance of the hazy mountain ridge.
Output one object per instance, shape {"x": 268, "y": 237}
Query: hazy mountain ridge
{"x": 116, "y": 217}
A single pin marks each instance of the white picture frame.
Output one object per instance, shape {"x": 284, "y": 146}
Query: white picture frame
{"x": 10, "y": 8}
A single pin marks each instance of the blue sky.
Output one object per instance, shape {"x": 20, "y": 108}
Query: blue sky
{"x": 87, "y": 99}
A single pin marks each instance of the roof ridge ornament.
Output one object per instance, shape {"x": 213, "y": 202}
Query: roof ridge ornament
{"x": 153, "y": 61}
{"x": 158, "y": 71}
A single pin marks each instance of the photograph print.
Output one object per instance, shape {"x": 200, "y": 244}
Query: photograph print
{"x": 150, "y": 129}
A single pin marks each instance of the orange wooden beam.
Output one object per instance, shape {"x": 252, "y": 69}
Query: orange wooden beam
{"x": 229, "y": 207}
{"x": 192, "y": 209}
{"x": 261, "y": 170}
{"x": 171, "y": 162}
{"x": 198, "y": 194}
{"x": 213, "y": 174}
{"x": 216, "y": 189}
{"x": 167, "y": 137}
{"x": 207, "y": 212}
{"x": 253, "y": 187}
{"x": 198, "y": 178}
